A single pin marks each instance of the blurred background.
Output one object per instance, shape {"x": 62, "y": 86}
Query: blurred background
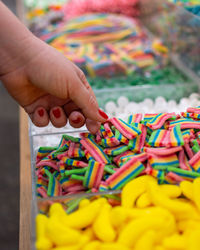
{"x": 9, "y": 155}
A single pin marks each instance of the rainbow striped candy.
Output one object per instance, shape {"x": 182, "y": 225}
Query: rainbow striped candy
{"x": 190, "y": 115}
{"x": 116, "y": 150}
{"x": 176, "y": 138}
{"x": 42, "y": 192}
{"x": 74, "y": 163}
{"x": 94, "y": 174}
{"x": 186, "y": 123}
{"x": 195, "y": 162}
{"x": 185, "y": 174}
{"x": 183, "y": 161}
{"x": 43, "y": 152}
{"x": 194, "y": 110}
{"x": 129, "y": 131}
{"x": 134, "y": 118}
{"x": 139, "y": 157}
{"x": 47, "y": 162}
{"x": 159, "y": 120}
{"x": 95, "y": 150}
{"x": 159, "y": 138}
{"x": 147, "y": 118}
{"x": 187, "y": 135}
{"x": 103, "y": 187}
{"x": 75, "y": 150}
{"x": 159, "y": 174}
{"x": 54, "y": 187}
{"x": 162, "y": 151}
{"x": 109, "y": 142}
{"x": 123, "y": 175}
{"x": 109, "y": 132}
{"x": 117, "y": 159}
{"x": 120, "y": 137}
{"x": 162, "y": 162}
{"x": 68, "y": 184}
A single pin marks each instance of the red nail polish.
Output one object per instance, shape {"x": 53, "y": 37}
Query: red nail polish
{"x": 56, "y": 113}
{"x": 103, "y": 114}
{"x": 77, "y": 120}
{"x": 41, "y": 112}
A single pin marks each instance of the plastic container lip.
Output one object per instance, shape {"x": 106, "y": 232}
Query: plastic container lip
{"x": 77, "y": 196}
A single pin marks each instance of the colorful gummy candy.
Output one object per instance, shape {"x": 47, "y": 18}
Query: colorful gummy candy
{"x": 145, "y": 216}
{"x": 106, "y": 45}
{"x": 166, "y": 146}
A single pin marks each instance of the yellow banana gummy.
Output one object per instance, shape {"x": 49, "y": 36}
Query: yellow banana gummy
{"x": 134, "y": 189}
{"x": 102, "y": 225}
{"x": 42, "y": 242}
{"x": 84, "y": 216}
{"x": 146, "y": 241}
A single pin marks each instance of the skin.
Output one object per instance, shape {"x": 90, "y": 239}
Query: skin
{"x": 42, "y": 80}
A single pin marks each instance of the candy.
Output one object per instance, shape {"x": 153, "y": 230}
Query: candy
{"x": 134, "y": 118}
{"x": 95, "y": 150}
{"x": 126, "y": 173}
{"x": 158, "y": 120}
{"x": 93, "y": 164}
{"x": 171, "y": 219}
{"x": 129, "y": 131}
{"x": 195, "y": 162}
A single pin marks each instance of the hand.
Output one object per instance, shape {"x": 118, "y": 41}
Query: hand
{"x": 50, "y": 87}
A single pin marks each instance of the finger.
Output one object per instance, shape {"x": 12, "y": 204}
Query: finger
{"x": 58, "y": 117}
{"x": 70, "y": 107}
{"x": 84, "y": 80}
{"x": 92, "y": 126}
{"x": 82, "y": 97}
{"x": 40, "y": 117}
{"x": 76, "y": 119}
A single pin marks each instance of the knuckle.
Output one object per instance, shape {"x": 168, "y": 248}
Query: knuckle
{"x": 92, "y": 101}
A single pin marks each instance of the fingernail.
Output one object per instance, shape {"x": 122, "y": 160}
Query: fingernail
{"x": 56, "y": 113}
{"x": 103, "y": 114}
{"x": 78, "y": 120}
{"x": 41, "y": 112}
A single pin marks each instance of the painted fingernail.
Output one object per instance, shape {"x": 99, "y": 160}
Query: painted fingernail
{"x": 103, "y": 114}
{"x": 56, "y": 113}
{"x": 77, "y": 120}
{"x": 41, "y": 112}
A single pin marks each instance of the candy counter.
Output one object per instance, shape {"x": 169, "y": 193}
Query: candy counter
{"x": 180, "y": 146}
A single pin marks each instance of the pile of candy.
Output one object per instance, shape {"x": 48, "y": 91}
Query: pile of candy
{"x": 149, "y": 216}
{"x": 106, "y": 45}
{"x": 163, "y": 145}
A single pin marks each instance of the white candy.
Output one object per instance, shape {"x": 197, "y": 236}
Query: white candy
{"x": 148, "y": 102}
{"x": 160, "y": 100}
{"x": 131, "y": 108}
{"x": 110, "y": 107}
{"x": 194, "y": 95}
{"x": 122, "y": 101}
{"x": 171, "y": 103}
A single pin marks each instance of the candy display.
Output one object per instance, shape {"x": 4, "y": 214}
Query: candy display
{"x": 145, "y": 216}
{"x": 163, "y": 145}
{"x": 106, "y": 45}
